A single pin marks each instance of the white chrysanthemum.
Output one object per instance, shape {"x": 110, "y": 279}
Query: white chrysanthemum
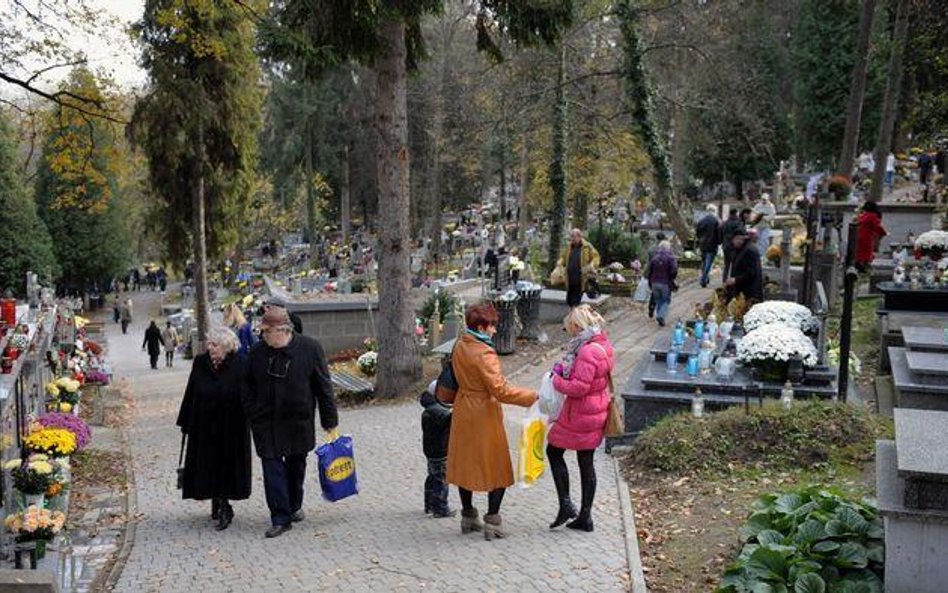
{"x": 932, "y": 239}
{"x": 776, "y": 342}
{"x": 783, "y": 312}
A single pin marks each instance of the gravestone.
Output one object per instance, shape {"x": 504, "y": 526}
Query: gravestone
{"x": 912, "y": 495}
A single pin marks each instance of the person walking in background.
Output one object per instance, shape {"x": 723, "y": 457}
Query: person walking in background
{"x": 478, "y": 454}
{"x": 764, "y": 213}
{"x": 126, "y": 314}
{"x": 578, "y": 263}
{"x": 585, "y": 378}
{"x": 117, "y": 309}
{"x": 708, "y": 232}
{"x": 436, "y": 430}
{"x": 235, "y": 320}
{"x": 287, "y": 378}
{"x": 153, "y": 343}
{"x": 869, "y": 232}
{"x": 169, "y": 336}
{"x": 745, "y": 278}
{"x": 217, "y": 462}
{"x": 661, "y": 273}
{"x": 890, "y": 170}
{"x": 730, "y": 226}
{"x": 659, "y": 237}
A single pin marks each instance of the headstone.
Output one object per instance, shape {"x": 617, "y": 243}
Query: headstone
{"x": 787, "y": 292}
{"x": 927, "y": 363}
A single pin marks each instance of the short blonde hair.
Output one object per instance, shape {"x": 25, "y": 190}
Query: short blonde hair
{"x": 582, "y": 317}
{"x": 223, "y": 336}
{"x": 665, "y": 245}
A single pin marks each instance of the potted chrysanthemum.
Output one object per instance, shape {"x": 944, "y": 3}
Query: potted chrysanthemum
{"x": 770, "y": 348}
{"x": 780, "y": 312}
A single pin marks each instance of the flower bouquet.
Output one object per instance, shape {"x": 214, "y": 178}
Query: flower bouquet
{"x": 35, "y": 524}
{"x": 932, "y": 244}
{"x": 55, "y": 442}
{"x": 769, "y": 349}
{"x": 370, "y": 344}
{"x": 97, "y": 377}
{"x": 782, "y": 312}
{"x": 65, "y": 390}
{"x": 34, "y": 476}
{"x": 368, "y": 362}
{"x": 70, "y": 422}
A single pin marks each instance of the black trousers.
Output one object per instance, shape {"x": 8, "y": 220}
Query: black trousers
{"x": 154, "y": 359}
{"x": 574, "y": 292}
{"x": 494, "y": 499}
{"x": 283, "y": 484}
{"x": 587, "y": 475}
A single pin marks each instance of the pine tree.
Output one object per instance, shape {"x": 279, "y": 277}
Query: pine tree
{"x": 387, "y": 36}
{"x": 25, "y": 244}
{"x": 198, "y": 124}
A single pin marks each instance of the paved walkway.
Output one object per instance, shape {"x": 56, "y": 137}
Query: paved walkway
{"x": 378, "y": 541}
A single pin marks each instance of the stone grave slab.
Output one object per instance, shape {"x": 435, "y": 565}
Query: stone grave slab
{"x": 916, "y": 391}
{"x": 927, "y": 363}
{"x": 921, "y": 445}
{"x": 924, "y": 339}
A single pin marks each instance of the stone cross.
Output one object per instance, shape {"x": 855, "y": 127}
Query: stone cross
{"x": 787, "y": 291}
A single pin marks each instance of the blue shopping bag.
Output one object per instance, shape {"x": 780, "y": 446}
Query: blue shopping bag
{"x": 337, "y": 471}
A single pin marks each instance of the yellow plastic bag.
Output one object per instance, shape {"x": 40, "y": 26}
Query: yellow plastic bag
{"x": 531, "y": 448}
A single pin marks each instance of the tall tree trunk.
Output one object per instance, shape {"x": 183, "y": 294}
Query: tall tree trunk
{"x": 557, "y": 172}
{"x": 524, "y": 220}
{"x": 639, "y": 95}
{"x": 399, "y": 362}
{"x": 310, "y": 174}
{"x": 198, "y": 232}
{"x": 344, "y": 197}
{"x": 857, "y": 90}
{"x": 893, "y": 87}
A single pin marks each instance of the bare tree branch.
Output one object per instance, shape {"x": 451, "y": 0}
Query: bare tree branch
{"x": 43, "y": 71}
{"x": 59, "y": 96}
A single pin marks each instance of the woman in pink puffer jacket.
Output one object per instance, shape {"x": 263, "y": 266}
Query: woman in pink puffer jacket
{"x": 584, "y": 378}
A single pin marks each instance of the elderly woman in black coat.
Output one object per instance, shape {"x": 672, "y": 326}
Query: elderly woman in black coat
{"x": 217, "y": 463}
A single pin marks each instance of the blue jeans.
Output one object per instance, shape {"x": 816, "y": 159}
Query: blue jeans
{"x": 436, "y": 491}
{"x": 283, "y": 483}
{"x": 707, "y": 260}
{"x": 662, "y": 295}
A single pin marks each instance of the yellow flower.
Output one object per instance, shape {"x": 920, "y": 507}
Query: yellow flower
{"x": 65, "y": 407}
{"x": 52, "y": 441}
{"x": 52, "y": 389}
{"x": 12, "y": 464}
{"x": 41, "y": 467}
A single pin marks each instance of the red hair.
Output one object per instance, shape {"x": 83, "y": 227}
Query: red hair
{"x": 479, "y": 316}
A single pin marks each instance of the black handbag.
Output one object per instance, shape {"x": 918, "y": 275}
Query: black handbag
{"x": 180, "y": 483}
{"x": 592, "y": 288}
{"x": 447, "y": 386}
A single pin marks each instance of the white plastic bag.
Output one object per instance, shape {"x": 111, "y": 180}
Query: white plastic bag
{"x": 642, "y": 291}
{"x": 551, "y": 400}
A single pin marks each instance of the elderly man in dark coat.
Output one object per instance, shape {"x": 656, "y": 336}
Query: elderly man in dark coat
{"x": 153, "y": 341}
{"x": 217, "y": 464}
{"x": 745, "y": 277}
{"x": 287, "y": 378}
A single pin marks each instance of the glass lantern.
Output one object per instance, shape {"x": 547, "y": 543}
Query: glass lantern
{"x": 724, "y": 368}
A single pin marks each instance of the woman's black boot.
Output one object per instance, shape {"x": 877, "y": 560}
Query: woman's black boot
{"x": 215, "y": 509}
{"x": 227, "y": 515}
{"x": 567, "y": 512}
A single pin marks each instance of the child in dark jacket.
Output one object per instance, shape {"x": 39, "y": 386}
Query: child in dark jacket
{"x": 435, "y": 429}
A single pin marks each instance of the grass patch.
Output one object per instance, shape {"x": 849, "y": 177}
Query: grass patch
{"x": 812, "y": 433}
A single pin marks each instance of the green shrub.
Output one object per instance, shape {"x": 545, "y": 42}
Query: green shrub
{"x": 811, "y": 540}
{"x": 446, "y": 302}
{"x": 812, "y": 432}
{"x": 616, "y": 244}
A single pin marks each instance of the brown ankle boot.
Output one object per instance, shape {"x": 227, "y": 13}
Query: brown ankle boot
{"x": 470, "y": 522}
{"x": 493, "y": 527}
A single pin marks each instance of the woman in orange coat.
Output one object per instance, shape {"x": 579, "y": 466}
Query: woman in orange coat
{"x": 478, "y": 455}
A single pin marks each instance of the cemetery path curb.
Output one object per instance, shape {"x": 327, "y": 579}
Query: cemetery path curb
{"x": 131, "y": 511}
{"x": 631, "y": 536}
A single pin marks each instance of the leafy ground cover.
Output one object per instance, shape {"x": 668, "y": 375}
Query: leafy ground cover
{"x": 694, "y": 483}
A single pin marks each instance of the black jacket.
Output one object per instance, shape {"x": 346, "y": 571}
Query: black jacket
{"x": 217, "y": 462}
{"x": 730, "y": 226}
{"x": 708, "y": 231}
{"x": 283, "y": 388}
{"x": 153, "y": 339}
{"x": 747, "y": 275}
{"x": 435, "y": 426}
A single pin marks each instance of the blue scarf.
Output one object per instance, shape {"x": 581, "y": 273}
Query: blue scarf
{"x": 481, "y": 337}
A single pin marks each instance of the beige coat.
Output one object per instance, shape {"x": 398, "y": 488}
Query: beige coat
{"x": 478, "y": 453}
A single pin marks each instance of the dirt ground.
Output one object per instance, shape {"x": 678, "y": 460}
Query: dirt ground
{"x": 688, "y": 526}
